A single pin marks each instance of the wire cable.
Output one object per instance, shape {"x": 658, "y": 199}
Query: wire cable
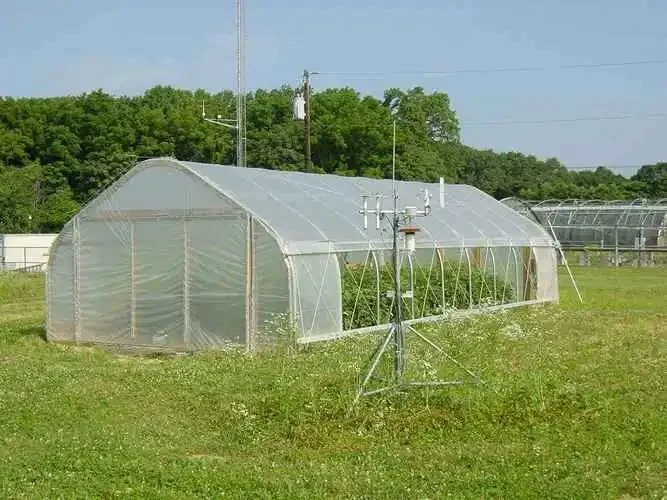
{"x": 565, "y": 120}
{"x": 610, "y": 167}
{"x": 520, "y": 69}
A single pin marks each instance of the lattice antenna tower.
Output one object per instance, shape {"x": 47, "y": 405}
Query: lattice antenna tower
{"x": 239, "y": 123}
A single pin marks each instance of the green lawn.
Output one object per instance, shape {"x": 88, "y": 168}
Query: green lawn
{"x": 573, "y": 406}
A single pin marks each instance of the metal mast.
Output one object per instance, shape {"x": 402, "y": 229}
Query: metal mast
{"x": 402, "y": 221}
{"x": 399, "y": 335}
{"x": 240, "y": 122}
{"x": 240, "y": 85}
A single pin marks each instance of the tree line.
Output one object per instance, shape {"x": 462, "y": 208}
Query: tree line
{"x": 57, "y": 153}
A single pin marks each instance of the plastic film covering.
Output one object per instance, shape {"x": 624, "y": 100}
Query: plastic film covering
{"x": 318, "y": 295}
{"x": 159, "y": 283}
{"x": 547, "y": 283}
{"x": 216, "y": 281}
{"x": 153, "y": 190}
{"x": 272, "y": 304}
{"x": 60, "y": 289}
{"x": 310, "y": 212}
{"x": 104, "y": 281}
{"x": 425, "y": 268}
{"x": 508, "y": 268}
{"x": 159, "y": 262}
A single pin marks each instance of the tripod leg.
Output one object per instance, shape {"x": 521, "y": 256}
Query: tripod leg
{"x": 377, "y": 352}
{"x": 441, "y": 351}
{"x": 375, "y": 361}
{"x": 399, "y": 352}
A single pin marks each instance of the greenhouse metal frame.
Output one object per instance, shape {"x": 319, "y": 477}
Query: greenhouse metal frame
{"x": 188, "y": 256}
{"x": 627, "y": 225}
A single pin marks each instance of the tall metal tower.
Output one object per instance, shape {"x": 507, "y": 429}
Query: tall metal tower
{"x": 240, "y": 85}
{"x": 240, "y": 122}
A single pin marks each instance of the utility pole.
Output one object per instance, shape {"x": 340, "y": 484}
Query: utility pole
{"x": 306, "y": 97}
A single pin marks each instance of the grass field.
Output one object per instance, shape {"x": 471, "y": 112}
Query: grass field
{"x": 574, "y": 406}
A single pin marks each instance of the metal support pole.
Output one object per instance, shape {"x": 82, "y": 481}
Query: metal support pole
{"x": 378, "y": 311}
{"x": 250, "y": 288}
{"x": 293, "y": 292}
{"x": 133, "y": 280}
{"x": 412, "y": 285}
{"x": 471, "y": 303}
{"x": 495, "y": 275}
{"x": 506, "y": 275}
{"x": 527, "y": 275}
{"x": 375, "y": 361}
{"x": 423, "y": 312}
{"x": 399, "y": 339}
{"x": 187, "y": 333}
{"x": 441, "y": 351}
{"x": 517, "y": 273}
{"x": 442, "y": 279}
{"x": 393, "y": 156}
{"x": 76, "y": 274}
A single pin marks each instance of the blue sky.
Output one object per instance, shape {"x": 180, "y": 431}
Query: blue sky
{"x": 125, "y": 47}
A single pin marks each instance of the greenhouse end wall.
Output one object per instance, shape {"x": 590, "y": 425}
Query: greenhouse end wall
{"x": 175, "y": 276}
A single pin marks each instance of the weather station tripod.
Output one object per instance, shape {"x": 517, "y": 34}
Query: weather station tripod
{"x": 393, "y": 343}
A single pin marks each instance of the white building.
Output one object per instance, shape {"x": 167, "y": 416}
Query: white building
{"x": 25, "y": 251}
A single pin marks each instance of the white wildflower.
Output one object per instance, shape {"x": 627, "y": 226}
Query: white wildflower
{"x": 513, "y": 331}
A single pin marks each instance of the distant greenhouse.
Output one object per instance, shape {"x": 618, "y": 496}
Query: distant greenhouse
{"x": 189, "y": 256}
{"x": 640, "y": 224}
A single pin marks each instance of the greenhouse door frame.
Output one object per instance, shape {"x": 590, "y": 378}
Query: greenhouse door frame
{"x": 250, "y": 285}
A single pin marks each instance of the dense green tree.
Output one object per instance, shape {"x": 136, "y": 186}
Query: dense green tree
{"x": 58, "y": 153}
{"x": 274, "y": 138}
{"x": 424, "y": 118}
{"x": 653, "y": 179}
{"x": 29, "y": 204}
{"x": 350, "y": 133}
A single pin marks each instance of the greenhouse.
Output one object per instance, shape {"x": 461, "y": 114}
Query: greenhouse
{"x": 187, "y": 256}
{"x": 640, "y": 224}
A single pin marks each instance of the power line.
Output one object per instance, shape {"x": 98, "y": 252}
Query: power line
{"x": 610, "y": 167}
{"x": 566, "y": 120}
{"x": 524, "y": 69}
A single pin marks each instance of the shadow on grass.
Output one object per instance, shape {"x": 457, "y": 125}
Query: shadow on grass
{"x": 161, "y": 355}
{"x": 32, "y": 331}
